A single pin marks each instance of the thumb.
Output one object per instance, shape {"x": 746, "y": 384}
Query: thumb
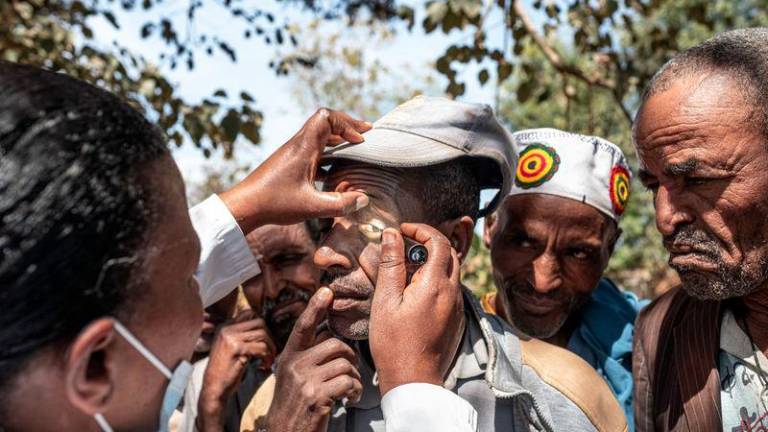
{"x": 303, "y": 335}
{"x": 390, "y": 282}
{"x": 334, "y": 204}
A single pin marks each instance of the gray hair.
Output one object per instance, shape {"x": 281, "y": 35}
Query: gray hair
{"x": 742, "y": 54}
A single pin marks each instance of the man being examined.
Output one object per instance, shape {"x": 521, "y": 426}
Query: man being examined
{"x": 426, "y": 162}
{"x": 550, "y": 243}
{"x": 243, "y": 351}
{"x": 701, "y": 135}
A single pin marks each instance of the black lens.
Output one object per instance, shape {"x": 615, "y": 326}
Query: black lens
{"x": 417, "y": 254}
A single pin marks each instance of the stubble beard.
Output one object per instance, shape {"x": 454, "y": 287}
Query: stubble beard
{"x": 352, "y": 324}
{"x": 727, "y": 281}
{"x": 517, "y": 315}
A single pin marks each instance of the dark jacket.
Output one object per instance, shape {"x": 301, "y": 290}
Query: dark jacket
{"x": 677, "y": 384}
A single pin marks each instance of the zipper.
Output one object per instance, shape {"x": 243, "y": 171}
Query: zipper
{"x": 491, "y": 343}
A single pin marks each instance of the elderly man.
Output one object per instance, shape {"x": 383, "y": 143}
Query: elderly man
{"x": 426, "y": 162}
{"x": 550, "y": 242}
{"x": 239, "y": 363}
{"x": 702, "y": 137}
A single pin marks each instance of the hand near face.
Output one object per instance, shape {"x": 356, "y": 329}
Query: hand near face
{"x": 415, "y": 329}
{"x": 312, "y": 375}
{"x": 233, "y": 347}
{"x": 282, "y": 191}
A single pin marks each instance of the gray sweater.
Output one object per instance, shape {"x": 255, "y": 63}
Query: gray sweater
{"x": 491, "y": 373}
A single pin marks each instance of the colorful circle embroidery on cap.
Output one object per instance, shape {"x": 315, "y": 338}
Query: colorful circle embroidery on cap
{"x": 537, "y": 164}
{"x": 619, "y": 189}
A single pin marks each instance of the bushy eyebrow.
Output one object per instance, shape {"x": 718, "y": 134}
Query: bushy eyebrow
{"x": 682, "y": 169}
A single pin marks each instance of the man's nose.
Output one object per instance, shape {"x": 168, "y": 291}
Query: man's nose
{"x": 333, "y": 251}
{"x": 546, "y": 274}
{"x": 670, "y": 213}
{"x": 271, "y": 280}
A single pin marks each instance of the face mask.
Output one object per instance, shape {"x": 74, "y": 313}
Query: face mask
{"x": 173, "y": 393}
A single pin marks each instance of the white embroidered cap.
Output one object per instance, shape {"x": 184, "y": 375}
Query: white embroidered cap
{"x": 584, "y": 168}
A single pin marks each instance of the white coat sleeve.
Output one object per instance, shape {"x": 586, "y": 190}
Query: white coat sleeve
{"x": 427, "y": 407}
{"x": 226, "y": 261}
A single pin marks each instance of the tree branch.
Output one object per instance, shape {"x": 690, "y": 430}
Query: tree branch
{"x": 557, "y": 62}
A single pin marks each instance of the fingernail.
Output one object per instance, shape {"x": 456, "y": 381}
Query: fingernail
{"x": 369, "y": 124}
{"x": 324, "y": 294}
{"x": 361, "y": 202}
{"x": 388, "y": 236}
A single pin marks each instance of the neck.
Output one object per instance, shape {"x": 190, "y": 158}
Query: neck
{"x": 560, "y": 339}
{"x": 563, "y": 335}
{"x": 756, "y": 316}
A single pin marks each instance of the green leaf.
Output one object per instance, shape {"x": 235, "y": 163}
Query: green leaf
{"x": 246, "y": 97}
{"x": 251, "y": 131}
{"x": 231, "y": 125}
{"x": 111, "y": 18}
{"x": 220, "y": 93}
{"x": 483, "y": 76}
{"x": 524, "y": 91}
{"x": 436, "y": 11}
{"x": 504, "y": 70}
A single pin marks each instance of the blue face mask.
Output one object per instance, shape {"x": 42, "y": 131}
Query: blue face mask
{"x": 173, "y": 393}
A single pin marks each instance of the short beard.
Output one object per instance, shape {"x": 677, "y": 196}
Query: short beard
{"x": 281, "y": 328}
{"x": 341, "y": 326}
{"x": 357, "y": 330}
{"x": 517, "y": 317}
{"x": 727, "y": 282}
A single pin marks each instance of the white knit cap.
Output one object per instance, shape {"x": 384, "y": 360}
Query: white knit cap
{"x": 584, "y": 168}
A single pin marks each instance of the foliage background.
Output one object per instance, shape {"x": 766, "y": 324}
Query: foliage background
{"x": 578, "y": 65}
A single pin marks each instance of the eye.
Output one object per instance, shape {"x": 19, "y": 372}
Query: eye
{"x": 521, "y": 241}
{"x": 696, "y": 181}
{"x": 371, "y": 231}
{"x": 581, "y": 253}
{"x": 286, "y": 260}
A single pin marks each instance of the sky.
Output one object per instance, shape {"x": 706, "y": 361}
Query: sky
{"x": 282, "y": 115}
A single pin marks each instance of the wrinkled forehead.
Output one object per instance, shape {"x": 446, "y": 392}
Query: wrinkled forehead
{"x": 363, "y": 176}
{"x": 694, "y": 113}
{"x": 389, "y": 189}
{"x": 547, "y": 212}
{"x": 270, "y": 240}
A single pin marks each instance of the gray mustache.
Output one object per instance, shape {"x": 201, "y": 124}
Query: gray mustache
{"x": 699, "y": 241}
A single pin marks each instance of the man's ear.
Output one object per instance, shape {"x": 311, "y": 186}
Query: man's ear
{"x": 488, "y": 227}
{"x": 460, "y": 233}
{"x": 89, "y": 367}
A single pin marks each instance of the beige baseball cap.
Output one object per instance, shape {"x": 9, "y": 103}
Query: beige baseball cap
{"x": 428, "y": 131}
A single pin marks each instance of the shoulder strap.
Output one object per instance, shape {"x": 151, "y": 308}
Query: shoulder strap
{"x": 577, "y": 381}
{"x": 256, "y": 411}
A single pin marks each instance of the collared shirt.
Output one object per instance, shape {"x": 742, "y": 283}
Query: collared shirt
{"x": 226, "y": 261}
{"x": 743, "y": 396}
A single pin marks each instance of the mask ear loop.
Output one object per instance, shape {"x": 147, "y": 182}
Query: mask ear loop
{"x": 131, "y": 339}
{"x": 102, "y": 422}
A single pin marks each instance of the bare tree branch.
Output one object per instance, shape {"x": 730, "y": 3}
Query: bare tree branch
{"x": 557, "y": 62}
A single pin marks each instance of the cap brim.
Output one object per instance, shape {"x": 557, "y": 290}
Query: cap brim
{"x": 391, "y": 148}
